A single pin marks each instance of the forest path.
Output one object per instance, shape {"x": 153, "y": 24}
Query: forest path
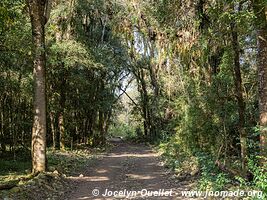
{"x": 126, "y": 168}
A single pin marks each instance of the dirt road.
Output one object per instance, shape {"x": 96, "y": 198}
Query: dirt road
{"x": 128, "y": 171}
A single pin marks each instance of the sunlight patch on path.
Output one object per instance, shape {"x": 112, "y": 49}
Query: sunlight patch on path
{"x": 91, "y": 178}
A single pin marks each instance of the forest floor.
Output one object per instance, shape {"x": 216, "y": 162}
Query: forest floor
{"x": 132, "y": 170}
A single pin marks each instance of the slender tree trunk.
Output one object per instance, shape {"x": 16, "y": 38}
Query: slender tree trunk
{"x": 61, "y": 131}
{"x": 90, "y": 124}
{"x": 2, "y": 135}
{"x": 239, "y": 97}
{"x": 38, "y": 16}
{"x": 107, "y": 120}
{"x": 61, "y": 112}
{"x": 52, "y": 121}
{"x": 145, "y": 105}
{"x": 101, "y": 127}
{"x": 260, "y": 10}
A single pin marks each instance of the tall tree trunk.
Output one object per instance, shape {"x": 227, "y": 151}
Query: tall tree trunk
{"x": 260, "y": 10}
{"x": 239, "y": 97}
{"x": 61, "y": 112}
{"x": 38, "y": 17}
{"x": 2, "y": 126}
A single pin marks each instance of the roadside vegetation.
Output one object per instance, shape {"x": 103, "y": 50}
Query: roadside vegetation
{"x": 189, "y": 77}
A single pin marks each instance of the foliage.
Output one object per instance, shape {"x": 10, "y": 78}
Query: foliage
{"x": 211, "y": 177}
{"x": 197, "y": 164}
{"x": 259, "y": 176}
{"x": 191, "y": 64}
{"x": 122, "y": 130}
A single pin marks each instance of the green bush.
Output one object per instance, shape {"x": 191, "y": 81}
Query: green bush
{"x": 259, "y": 176}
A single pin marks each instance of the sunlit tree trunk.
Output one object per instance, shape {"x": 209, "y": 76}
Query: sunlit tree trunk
{"x": 38, "y": 17}
{"x": 260, "y": 9}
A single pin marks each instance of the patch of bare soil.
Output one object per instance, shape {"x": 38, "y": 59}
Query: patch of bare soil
{"x": 128, "y": 171}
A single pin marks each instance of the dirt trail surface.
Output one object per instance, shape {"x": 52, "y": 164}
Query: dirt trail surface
{"x": 128, "y": 171}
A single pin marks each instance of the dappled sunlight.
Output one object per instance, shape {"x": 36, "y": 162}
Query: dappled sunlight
{"x": 130, "y": 155}
{"x": 101, "y": 171}
{"x": 91, "y": 178}
{"x": 99, "y": 178}
{"x": 131, "y": 94}
{"x": 126, "y": 167}
{"x": 139, "y": 177}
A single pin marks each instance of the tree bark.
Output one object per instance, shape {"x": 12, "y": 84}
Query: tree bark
{"x": 37, "y": 9}
{"x": 260, "y": 10}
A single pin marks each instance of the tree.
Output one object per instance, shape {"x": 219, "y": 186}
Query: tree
{"x": 39, "y": 14}
{"x": 260, "y": 8}
{"x": 239, "y": 96}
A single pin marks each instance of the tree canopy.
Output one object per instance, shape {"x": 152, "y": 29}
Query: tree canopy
{"x": 194, "y": 74}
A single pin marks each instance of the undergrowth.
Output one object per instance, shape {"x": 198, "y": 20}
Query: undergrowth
{"x": 188, "y": 164}
{"x": 65, "y": 162}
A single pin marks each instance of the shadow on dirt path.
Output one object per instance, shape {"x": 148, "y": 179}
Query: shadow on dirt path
{"x": 128, "y": 171}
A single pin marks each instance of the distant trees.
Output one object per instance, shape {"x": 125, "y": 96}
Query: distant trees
{"x": 85, "y": 65}
{"x": 15, "y": 79}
